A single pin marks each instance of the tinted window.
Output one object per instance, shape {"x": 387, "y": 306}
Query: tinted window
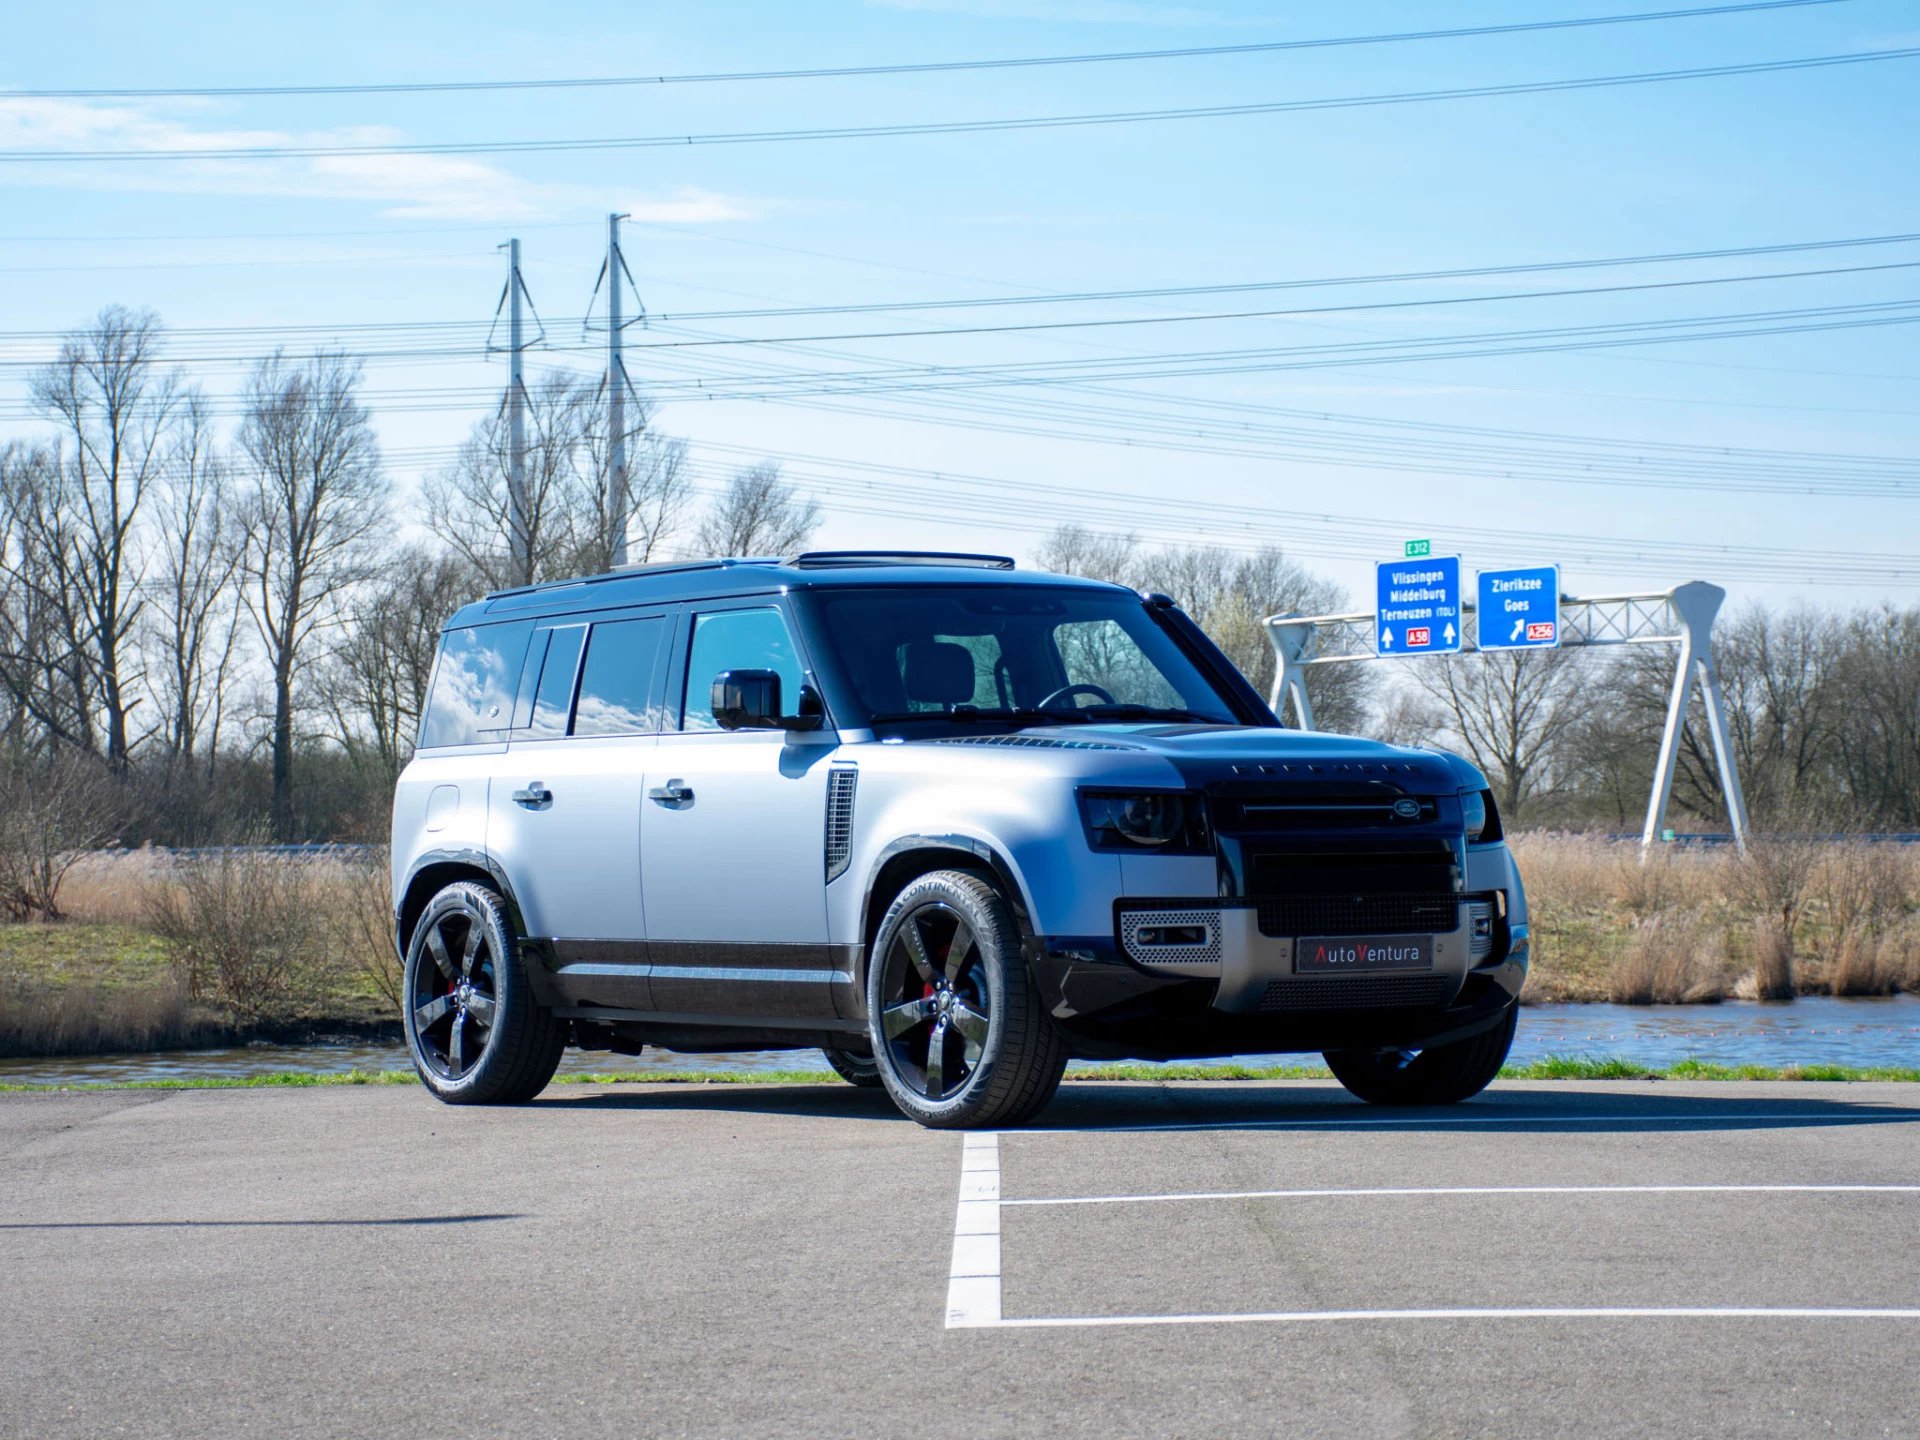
{"x": 473, "y": 684}
{"x": 617, "y": 678}
{"x": 738, "y": 640}
{"x": 908, "y": 653}
{"x": 554, "y": 698}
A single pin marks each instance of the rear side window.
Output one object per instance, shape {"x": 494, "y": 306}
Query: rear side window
{"x": 616, "y": 681}
{"x": 554, "y": 698}
{"x": 473, "y": 684}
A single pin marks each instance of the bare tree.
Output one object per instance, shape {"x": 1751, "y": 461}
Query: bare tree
{"x": 44, "y": 661}
{"x": 116, "y": 410}
{"x": 1512, "y": 711}
{"x": 1229, "y": 594}
{"x": 1879, "y": 737}
{"x": 193, "y": 619}
{"x": 758, "y": 514}
{"x": 53, "y": 808}
{"x": 1076, "y": 550}
{"x": 315, "y": 510}
{"x": 381, "y": 669}
{"x": 573, "y": 519}
{"x": 654, "y": 505}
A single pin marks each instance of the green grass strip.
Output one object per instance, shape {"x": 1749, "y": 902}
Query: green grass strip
{"x": 1556, "y": 1067}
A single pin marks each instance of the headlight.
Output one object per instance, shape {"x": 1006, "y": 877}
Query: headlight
{"x": 1168, "y": 821}
{"x": 1483, "y": 821}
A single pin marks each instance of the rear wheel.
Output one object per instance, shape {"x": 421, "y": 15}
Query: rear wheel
{"x": 476, "y": 1034}
{"x": 854, "y": 1064}
{"x": 1442, "y": 1075}
{"x": 960, "y": 1035}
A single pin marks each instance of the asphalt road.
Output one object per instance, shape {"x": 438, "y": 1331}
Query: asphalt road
{"x": 746, "y": 1261}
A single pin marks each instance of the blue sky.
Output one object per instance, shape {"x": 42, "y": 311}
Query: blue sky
{"x": 1765, "y": 159}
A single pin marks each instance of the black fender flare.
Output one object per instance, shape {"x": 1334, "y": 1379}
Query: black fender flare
{"x": 1002, "y": 868}
{"x": 467, "y": 858}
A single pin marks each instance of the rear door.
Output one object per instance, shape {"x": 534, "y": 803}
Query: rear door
{"x": 734, "y": 831}
{"x": 565, "y": 804}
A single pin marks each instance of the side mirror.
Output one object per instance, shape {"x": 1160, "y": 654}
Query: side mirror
{"x": 747, "y": 700}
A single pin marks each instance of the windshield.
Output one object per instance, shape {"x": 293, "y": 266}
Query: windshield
{"x": 1032, "y": 656}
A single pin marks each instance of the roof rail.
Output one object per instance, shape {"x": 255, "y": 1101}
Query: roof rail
{"x": 648, "y": 567}
{"x": 831, "y": 559}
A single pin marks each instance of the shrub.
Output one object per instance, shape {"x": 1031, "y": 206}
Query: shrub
{"x": 359, "y": 910}
{"x": 52, "y": 810}
{"x": 247, "y": 930}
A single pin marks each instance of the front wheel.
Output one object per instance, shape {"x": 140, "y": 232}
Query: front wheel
{"x": 1442, "y": 1075}
{"x": 476, "y": 1034}
{"x": 960, "y": 1035}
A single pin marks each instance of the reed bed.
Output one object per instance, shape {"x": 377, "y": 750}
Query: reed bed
{"x": 161, "y": 950}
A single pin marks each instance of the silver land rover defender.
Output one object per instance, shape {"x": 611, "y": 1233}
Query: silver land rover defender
{"x": 950, "y": 823}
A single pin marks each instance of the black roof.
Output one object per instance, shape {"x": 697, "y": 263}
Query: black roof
{"x": 717, "y": 579}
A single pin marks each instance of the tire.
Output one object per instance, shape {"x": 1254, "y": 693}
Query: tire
{"x": 1444, "y": 1075}
{"x": 465, "y": 987}
{"x": 960, "y": 1036}
{"x": 856, "y": 1066}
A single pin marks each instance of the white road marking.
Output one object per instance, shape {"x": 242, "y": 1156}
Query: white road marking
{"x": 1859, "y": 1115}
{"x": 973, "y": 1279}
{"x": 1437, "y": 1190}
{"x": 1587, "y": 1312}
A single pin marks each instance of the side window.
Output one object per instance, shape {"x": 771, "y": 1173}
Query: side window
{"x": 473, "y": 684}
{"x": 554, "y": 698}
{"x": 617, "y": 678}
{"x": 738, "y": 640}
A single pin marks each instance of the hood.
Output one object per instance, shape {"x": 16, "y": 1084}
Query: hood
{"x": 1212, "y": 754}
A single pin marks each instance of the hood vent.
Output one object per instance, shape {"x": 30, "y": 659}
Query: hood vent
{"x": 1031, "y": 742}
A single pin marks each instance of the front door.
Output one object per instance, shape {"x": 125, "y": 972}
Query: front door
{"x": 734, "y": 833}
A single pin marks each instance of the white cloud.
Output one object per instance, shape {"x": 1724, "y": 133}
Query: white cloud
{"x": 414, "y": 187}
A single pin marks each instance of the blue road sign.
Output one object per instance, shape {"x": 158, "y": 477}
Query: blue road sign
{"x": 1519, "y": 609}
{"x": 1418, "y": 610}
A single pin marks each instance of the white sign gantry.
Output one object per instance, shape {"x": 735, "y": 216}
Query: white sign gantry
{"x": 1682, "y": 616}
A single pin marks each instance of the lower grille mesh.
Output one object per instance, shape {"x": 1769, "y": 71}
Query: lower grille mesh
{"x": 1344, "y": 992}
{"x": 1360, "y": 915}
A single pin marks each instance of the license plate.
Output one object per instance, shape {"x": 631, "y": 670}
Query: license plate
{"x": 1352, "y": 954}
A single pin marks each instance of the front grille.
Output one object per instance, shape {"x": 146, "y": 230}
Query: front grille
{"x": 1423, "y": 866}
{"x": 840, "y": 786}
{"x": 1302, "y": 809}
{"x": 1356, "y": 992}
{"x": 1360, "y": 915}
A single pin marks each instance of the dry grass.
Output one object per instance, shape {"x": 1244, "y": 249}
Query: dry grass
{"x": 1835, "y": 918}
{"x": 1688, "y": 926}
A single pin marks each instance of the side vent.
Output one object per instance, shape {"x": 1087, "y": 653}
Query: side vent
{"x": 840, "y": 782}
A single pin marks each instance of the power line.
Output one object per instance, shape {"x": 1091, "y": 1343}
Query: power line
{"x": 1086, "y": 296}
{"x": 956, "y": 127}
{"x": 1431, "y": 302}
{"x": 926, "y": 67}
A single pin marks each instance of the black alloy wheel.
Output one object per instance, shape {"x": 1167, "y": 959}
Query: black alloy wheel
{"x": 960, "y": 1035}
{"x": 476, "y": 1034}
{"x": 939, "y": 1012}
{"x": 456, "y": 999}
{"x": 1442, "y": 1075}
{"x": 854, "y": 1063}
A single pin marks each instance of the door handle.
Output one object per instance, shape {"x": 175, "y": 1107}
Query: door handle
{"x": 535, "y": 797}
{"x": 674, "y": 792}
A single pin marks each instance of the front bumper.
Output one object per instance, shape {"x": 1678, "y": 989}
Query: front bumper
{"x": 1235, "y": 990}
